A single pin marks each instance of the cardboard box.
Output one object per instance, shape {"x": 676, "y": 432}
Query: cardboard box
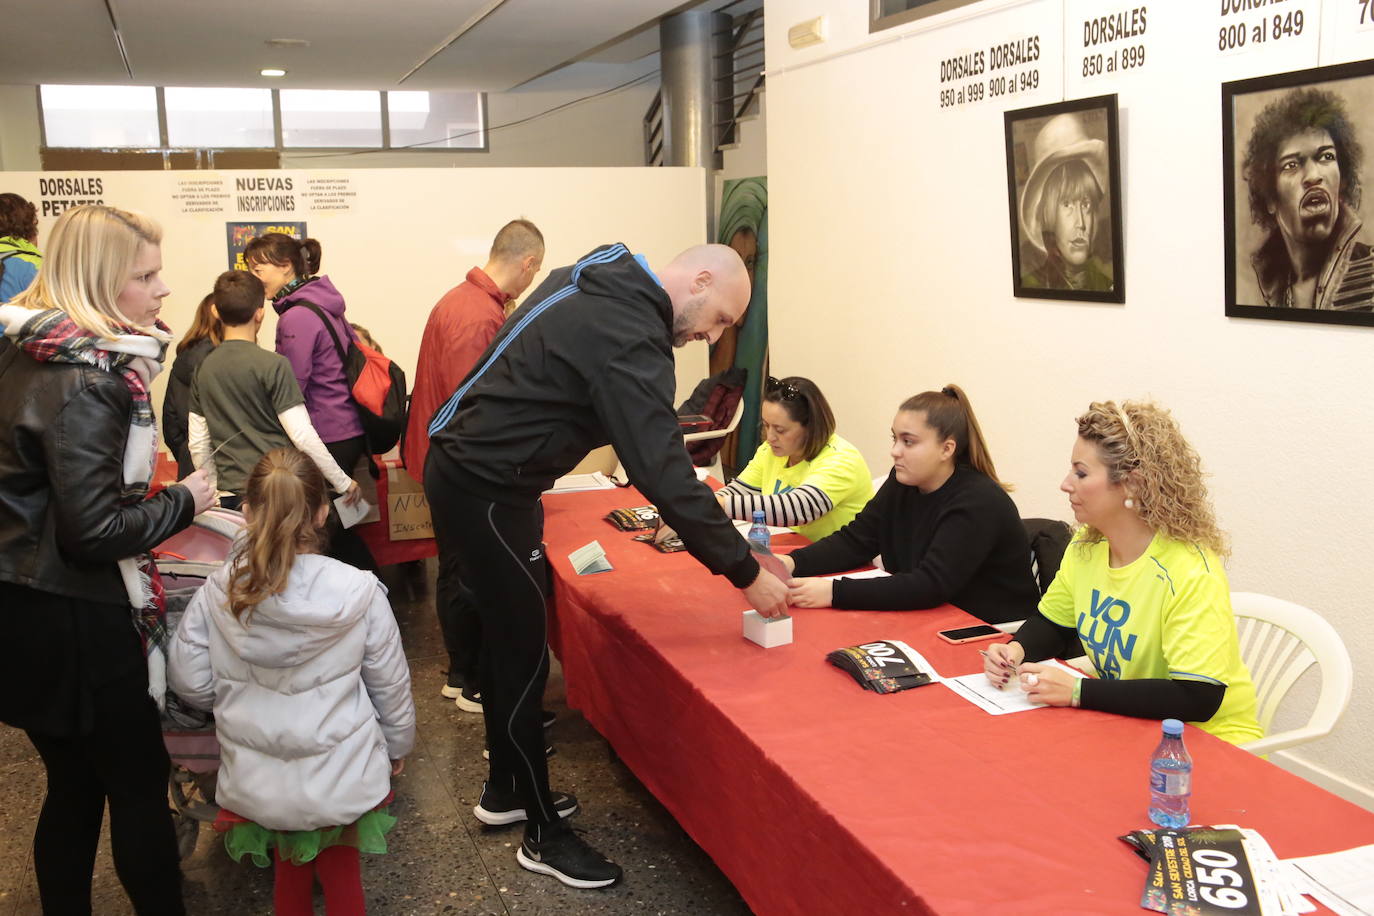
{"x": 407, "y": 509}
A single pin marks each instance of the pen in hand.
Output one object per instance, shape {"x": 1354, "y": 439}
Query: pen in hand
{"x": 1002, "y": 662}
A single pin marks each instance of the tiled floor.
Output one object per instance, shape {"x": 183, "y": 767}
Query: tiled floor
{"x": 442, "y": 859}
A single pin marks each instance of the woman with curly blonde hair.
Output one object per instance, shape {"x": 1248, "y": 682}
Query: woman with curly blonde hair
{"x": 1142, "y": 585}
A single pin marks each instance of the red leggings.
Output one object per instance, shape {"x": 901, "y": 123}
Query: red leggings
{"x": 340, "y": 876}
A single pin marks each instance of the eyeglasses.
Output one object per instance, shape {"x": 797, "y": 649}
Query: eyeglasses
{"x": 784, "y": 391}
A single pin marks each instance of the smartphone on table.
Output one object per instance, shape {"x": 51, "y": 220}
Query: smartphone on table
{"x": 974, "y": 633}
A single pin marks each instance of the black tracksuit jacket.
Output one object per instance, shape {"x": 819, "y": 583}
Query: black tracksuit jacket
{"x": 586, "y": 360}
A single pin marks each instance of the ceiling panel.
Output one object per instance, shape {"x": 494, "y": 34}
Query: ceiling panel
{"x": 60, "y": 41}
{"x": 521, "y": 39}
{"x": 354, "y": 44}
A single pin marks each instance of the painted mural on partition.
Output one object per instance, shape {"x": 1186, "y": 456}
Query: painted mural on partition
{"x": 1064, "y": 190}
{"x": 1297, "y": 147}
{"x": 238, "y": 235}
{"x": 744, "y": 227}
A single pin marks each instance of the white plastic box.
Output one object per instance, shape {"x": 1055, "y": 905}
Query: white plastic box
{"x": 767, "y": 631}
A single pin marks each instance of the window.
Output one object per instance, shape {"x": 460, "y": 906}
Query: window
{"x": 331, "y": 117}
{"x": 100, "y": 116}
{"x": 219, "y": 118}
{"x": 884, "y": 14}
{"x": 436, "y": 120}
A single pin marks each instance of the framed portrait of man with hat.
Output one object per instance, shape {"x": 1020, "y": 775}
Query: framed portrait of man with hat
{"x": 1296, "y": 147}
{"x": 1064, "y": 194}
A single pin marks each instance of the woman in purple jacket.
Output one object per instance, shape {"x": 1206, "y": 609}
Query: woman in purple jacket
{"x": 304, "y": 302}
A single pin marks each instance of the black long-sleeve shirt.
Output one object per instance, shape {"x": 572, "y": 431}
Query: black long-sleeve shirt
{"x": 962, "y": 544}
{"x": 175, "y": 414}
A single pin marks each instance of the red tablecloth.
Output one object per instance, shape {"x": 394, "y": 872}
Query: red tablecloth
{"x": 816, "y": 796}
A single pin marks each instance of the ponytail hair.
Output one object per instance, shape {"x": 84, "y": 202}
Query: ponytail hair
{"x": 950, "y": 414}
{"x": 284, "y": 492}
{"x": 304, "y": 255}
{"x": 204, "y": 326}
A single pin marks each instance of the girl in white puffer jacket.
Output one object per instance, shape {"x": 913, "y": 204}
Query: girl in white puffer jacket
{"x": 301, "y": 661}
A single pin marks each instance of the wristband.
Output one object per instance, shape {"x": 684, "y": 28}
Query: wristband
{"x": 1077, "y": 699}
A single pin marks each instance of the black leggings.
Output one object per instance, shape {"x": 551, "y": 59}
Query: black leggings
{"x": 122, "y": 761}
{"x": 502, "y": 561}
{"x": 458, "y": 621}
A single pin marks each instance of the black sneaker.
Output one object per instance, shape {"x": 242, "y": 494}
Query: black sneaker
{"x": 499, "y": 808}
{"x": 564, "y": 855}
{"x": 450, "y": 689}
{"x": 468, "y": 700}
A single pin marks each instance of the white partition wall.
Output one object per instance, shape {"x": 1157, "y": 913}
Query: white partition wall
{"x": 890, "y": 273}
{"x": 394, "y": 240}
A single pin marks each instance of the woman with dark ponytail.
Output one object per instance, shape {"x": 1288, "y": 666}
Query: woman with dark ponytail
{"x": 300, "y": 658}
{"x": 308, "y": 307}
{"x": 943, "y": 524}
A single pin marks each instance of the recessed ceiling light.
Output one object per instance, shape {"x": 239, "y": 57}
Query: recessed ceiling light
{"x": 272, "y": 71}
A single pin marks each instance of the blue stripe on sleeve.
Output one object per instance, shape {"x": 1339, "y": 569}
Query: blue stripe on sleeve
{"x": 445, "y": 413}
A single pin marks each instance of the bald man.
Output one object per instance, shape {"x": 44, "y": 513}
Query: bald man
{"x": 586, "y": 360}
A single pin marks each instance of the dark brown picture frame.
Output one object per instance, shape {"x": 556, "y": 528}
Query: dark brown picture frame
{"x": 1272, "y": 223}
{"x": 1052, "y": 150}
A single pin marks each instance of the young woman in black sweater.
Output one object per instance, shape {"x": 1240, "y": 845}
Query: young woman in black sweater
{"x": 942, "y": 522}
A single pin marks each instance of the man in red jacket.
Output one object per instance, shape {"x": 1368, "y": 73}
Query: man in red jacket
{"x": 459, "y": 329}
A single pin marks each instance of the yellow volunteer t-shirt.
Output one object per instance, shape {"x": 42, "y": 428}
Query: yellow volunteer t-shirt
{"x": 839, "y": 472}
{"x": 1165, "y": 615}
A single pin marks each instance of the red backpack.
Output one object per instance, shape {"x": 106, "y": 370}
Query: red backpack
{"x": 378, "y": 387}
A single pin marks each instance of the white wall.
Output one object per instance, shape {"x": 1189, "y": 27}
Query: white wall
{"x": 412, "y": 234}
{"x": 890, "y": 274}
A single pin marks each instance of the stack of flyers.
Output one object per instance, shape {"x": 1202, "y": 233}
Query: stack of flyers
{"x": 886, "y": 666}
{"x": 639, "y": 518}
{"x": 1203, "y": 871}
{"x": 671, "y": 544}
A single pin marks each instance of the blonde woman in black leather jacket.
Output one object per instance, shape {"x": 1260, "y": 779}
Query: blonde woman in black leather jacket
{"x": 79, "y": 613}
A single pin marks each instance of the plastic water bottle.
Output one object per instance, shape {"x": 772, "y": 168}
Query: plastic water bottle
{"x": 758, "y": 532}
{"x": 1171, "y": 777}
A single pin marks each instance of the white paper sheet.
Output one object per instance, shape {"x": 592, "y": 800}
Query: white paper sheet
{"x": 1341, "y": 881}
{"x": 978, "y": 690}
{"x": 866, "y": 574}
{"x": 351, "y": 515}
{"x": 578, "y": 483}
{"x": 590, "y": 558}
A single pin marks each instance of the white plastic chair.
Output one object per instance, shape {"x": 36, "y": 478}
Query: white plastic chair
{"x": 1279, "y": 640}
{"x": 717, "y": 434}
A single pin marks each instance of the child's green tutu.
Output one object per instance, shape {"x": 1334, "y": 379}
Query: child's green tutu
{"x": 243, "y": 837}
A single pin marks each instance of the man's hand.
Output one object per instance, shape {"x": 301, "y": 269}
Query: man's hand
{"x": 767, "y": 595}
